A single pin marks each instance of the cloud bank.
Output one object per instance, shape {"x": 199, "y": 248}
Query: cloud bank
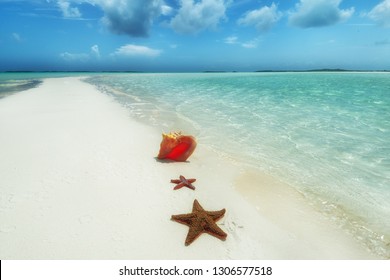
{"x": 67, "y": 10}
{"x": 133, "y": 18}
{"x": 318, "y": 13}
{"x": 136, "y": 50}
{"x": 233, "y": 40}
{"x": 195, "y": 16}
{"x": 81, "y": 57}
{"x": 381, "y": 13}
{"x": 263, "y": 19}
{"x": 129, "y": 17}
{"x": 136, "y": 17}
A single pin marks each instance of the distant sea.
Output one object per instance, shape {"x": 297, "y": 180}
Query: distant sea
{"x": 327, "y": 134}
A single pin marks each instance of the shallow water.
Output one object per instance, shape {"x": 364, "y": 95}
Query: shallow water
{"x": 326, "y": 134}
{"x": 13, "y": 82}
{"x": 8, "y": 87}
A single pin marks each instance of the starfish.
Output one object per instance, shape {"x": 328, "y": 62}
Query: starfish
{"x": 201, "y": 221}
{"x": 183, "y": 182}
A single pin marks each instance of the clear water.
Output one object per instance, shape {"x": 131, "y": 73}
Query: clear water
{"x": 327, "y": 134}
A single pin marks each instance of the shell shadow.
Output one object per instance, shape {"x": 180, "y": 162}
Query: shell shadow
{"x": 169, "y": 160}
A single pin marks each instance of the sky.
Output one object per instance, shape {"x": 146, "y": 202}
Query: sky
{"x": 193, "y": 35}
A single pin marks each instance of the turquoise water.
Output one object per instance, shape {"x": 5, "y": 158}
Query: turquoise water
{"x": 327, "y": 134}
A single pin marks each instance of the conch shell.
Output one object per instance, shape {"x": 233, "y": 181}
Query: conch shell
{"x": 176, "y": 146}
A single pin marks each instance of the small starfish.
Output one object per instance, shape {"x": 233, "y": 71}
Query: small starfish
{"x": 183, "y": 182}
{"x": 201, "y": 221}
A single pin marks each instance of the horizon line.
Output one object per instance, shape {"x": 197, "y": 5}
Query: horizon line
{"x": 198, "y": 71}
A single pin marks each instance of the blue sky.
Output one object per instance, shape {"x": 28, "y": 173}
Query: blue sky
{"x": 194, "y": 35}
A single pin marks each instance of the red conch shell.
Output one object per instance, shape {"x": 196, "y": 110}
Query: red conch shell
{"x": 176, "y": 146}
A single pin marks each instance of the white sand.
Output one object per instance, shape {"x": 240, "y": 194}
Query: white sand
{"x": 79, "y": 180}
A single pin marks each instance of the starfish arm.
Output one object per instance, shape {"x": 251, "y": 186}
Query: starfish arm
{"x": 179, "y": 186}
{"x": 196, "y": 206}
{"x": 175, "y": 181}
{"x": 193, "y": 233}
{"x": 185, "y": 219}
{"x": 191, "y": 180}
{"x": 217, "y": 232}
{"x": 191, "y": 187}
{"x": 212, "y": 228}
{"x": 216, "y": 215}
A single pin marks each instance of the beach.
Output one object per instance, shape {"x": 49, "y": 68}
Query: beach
{"x": 79, "y": 179}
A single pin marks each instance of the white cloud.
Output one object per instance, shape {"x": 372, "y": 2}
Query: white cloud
{"x": 95, "y": 51}
{"x": 129, "y": 17}
{"x": 166, "y": 10}
{"x": 17, "y": 37}
{"x": 133, "y": 18}
{"x": 81, "y": 57}
{"x": 195, "y": 16}
{"x": 231, "y": 40}
{"x": 250, "y": 44}
{"x": 381, "y": 13}
{"x": 317, "y": 13}
{"x": 234, "y": 40}
{"x": 263, "y": 19}
{"x": 136, "y": 50}
{"x": 67, "y": 10}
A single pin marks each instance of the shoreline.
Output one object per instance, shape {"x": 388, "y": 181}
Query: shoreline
{"x": 15, "y": 86}
{"x": 81, "y": 182}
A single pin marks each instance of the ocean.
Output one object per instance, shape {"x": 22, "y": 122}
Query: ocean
{"x": 326, "y": 134}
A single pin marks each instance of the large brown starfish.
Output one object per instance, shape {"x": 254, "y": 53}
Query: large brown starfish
{"x": 183, "y": 182}
{"x": 201, "y": 221}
